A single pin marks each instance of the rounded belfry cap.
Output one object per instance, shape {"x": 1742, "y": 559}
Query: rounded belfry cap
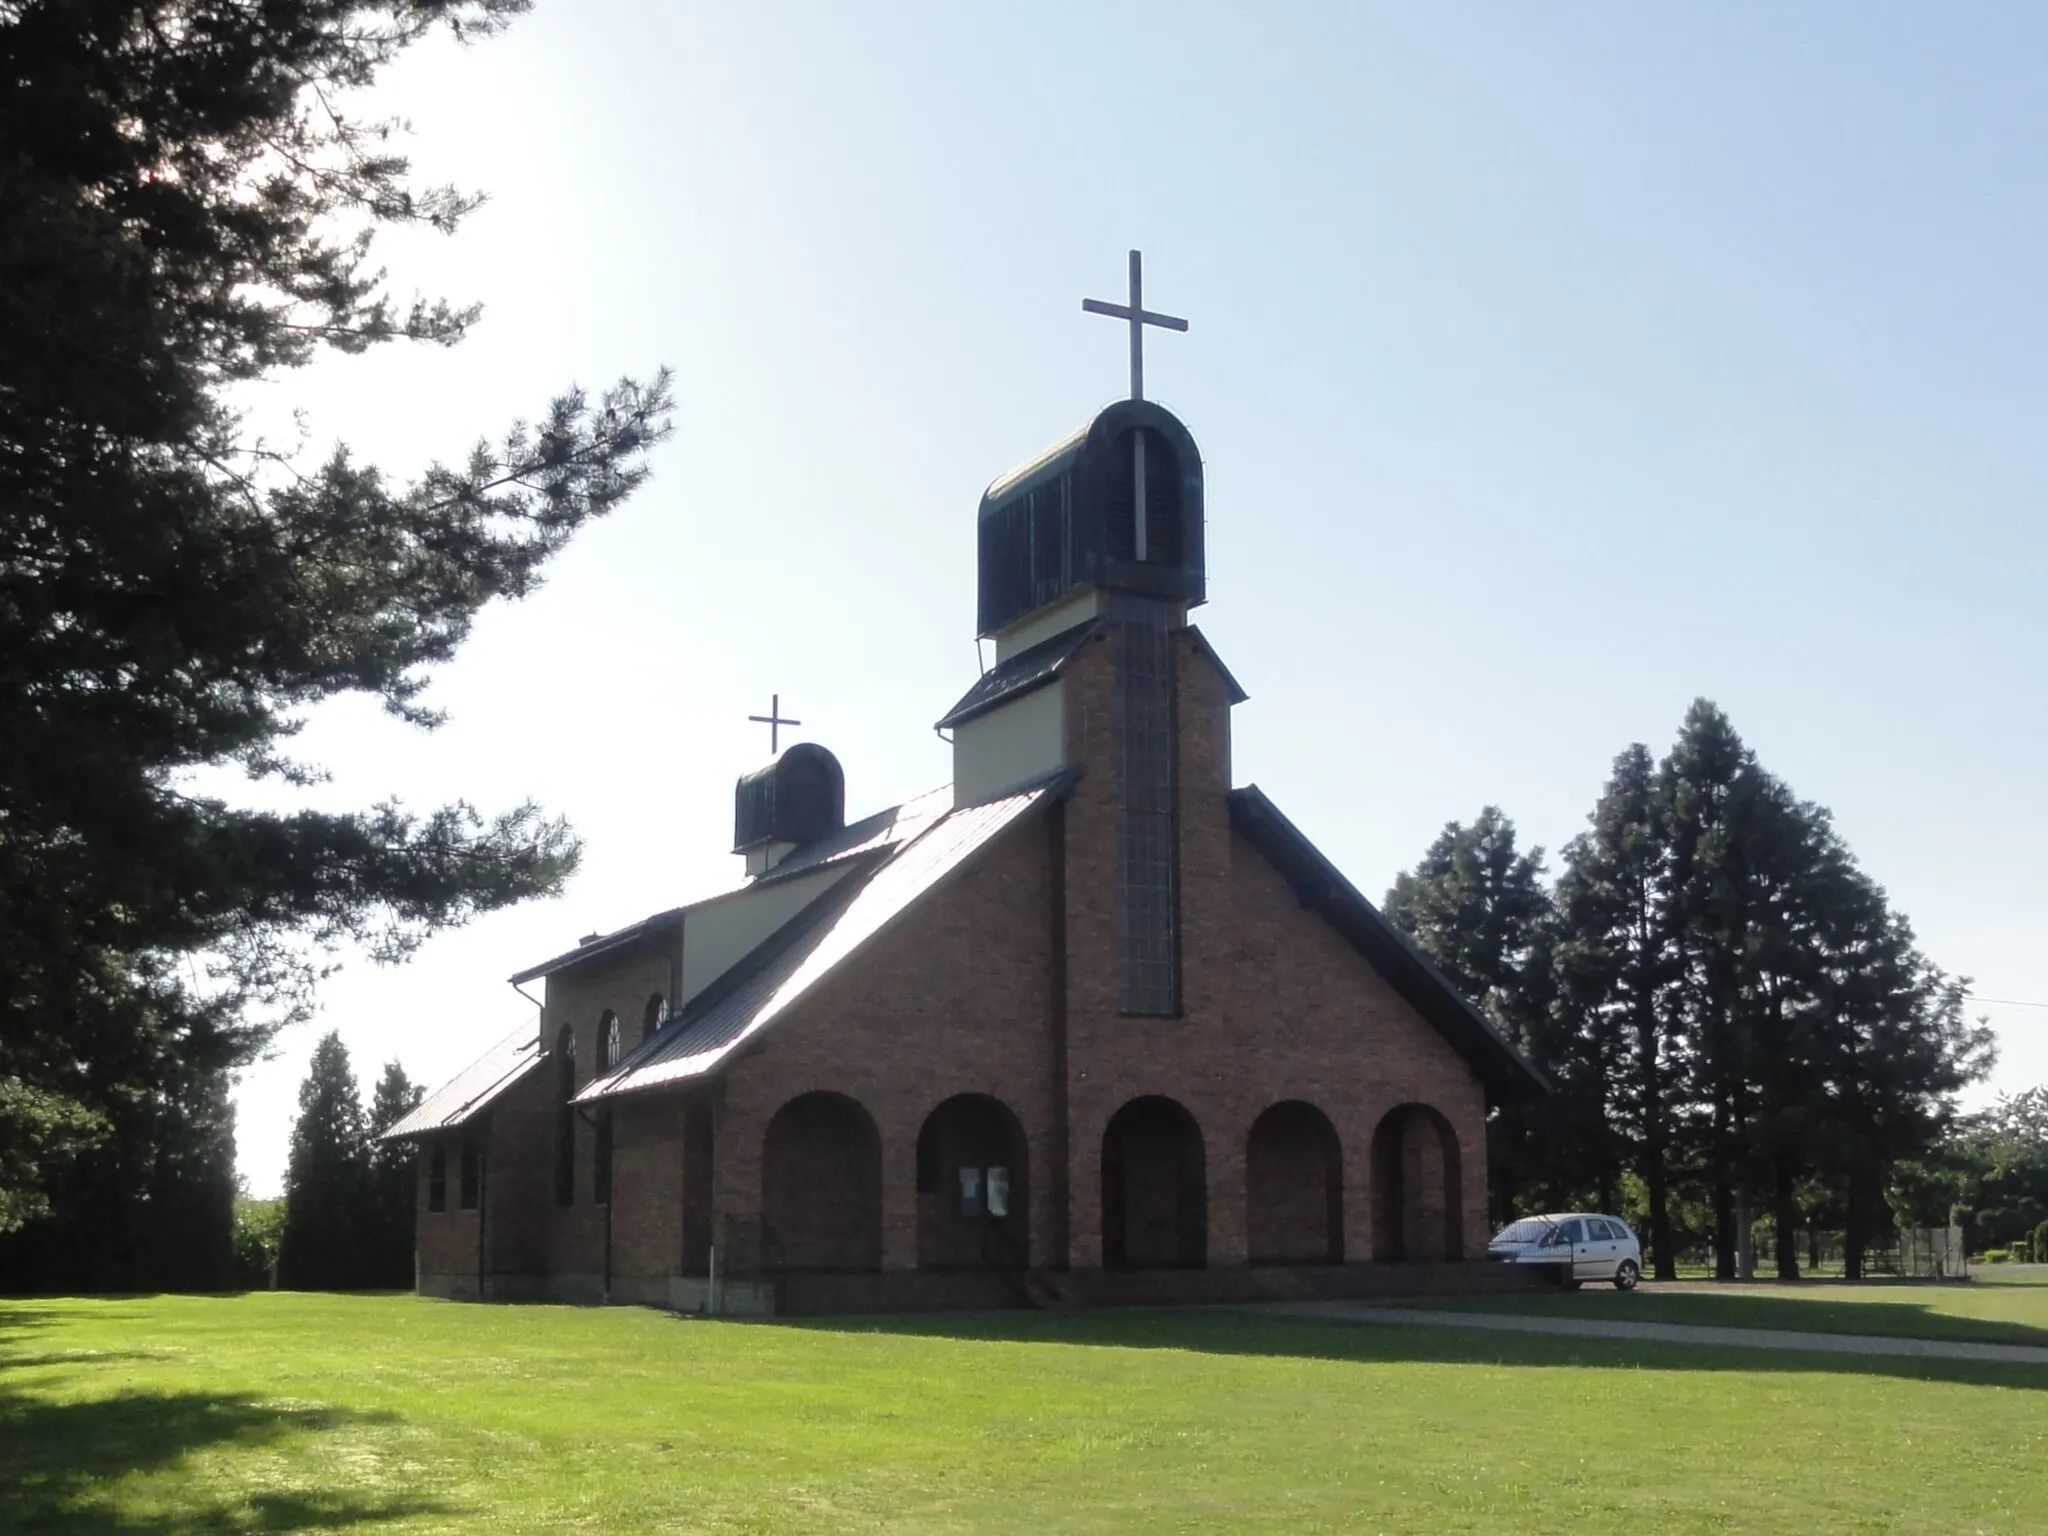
{"x": 798, "y": 798}
{"x": 1070, "y": 518}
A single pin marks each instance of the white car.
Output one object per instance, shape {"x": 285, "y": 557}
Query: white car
{"x": 1576, "y": 1246}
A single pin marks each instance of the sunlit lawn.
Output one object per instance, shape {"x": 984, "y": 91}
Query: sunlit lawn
{"x": 293, "y": 1413}
{"x": 2003, "y": 1305}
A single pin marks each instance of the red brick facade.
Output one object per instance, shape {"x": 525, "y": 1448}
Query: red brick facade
{"x": 1299, "y": 1111}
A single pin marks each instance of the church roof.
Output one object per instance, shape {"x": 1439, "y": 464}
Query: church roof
{"x": 730, "y": 1013}
{"x": 601, "y": 944}
{"x": 475, "y": 1089}
{"x": 1324, "y": 890}
{"x": 1032, "y": 667}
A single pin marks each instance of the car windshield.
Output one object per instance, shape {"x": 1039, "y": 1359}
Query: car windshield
{"x": 1529, "y": 1230}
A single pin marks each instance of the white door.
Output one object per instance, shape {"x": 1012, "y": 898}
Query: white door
{"x": 1605, "y": 1249}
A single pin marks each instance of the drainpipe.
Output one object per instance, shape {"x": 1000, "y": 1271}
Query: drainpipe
{"x": 609, "y": 1194}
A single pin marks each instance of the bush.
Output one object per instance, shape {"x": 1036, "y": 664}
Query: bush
{"x": 2041, "y": 1243}
{"x": 1992, "y": 1256}
{"x": 257, "y": 1226}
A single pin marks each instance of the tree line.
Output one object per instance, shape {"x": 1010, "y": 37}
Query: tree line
{"x": 1733, "y": 1017}
{"x": 189, "y": 200}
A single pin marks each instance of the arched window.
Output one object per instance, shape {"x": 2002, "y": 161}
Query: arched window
{"x": 565, "y": 1117}
{"x": 608, "y": 1044}
{"x": 655, "y": 1016}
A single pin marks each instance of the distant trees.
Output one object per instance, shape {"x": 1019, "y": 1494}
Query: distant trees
{"x": 1732, "y": 1015}
{"x": 348, "y": 1200}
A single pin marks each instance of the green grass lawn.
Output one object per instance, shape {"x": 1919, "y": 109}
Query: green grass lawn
{"x": 298, "y": 1413}
{"x": 1997, "y": 1308}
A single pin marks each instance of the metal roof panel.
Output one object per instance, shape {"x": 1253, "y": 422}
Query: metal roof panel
{"x": 814, "y": 945}
{"x": 474, "y": 1089}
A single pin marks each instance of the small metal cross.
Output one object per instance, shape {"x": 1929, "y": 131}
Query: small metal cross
{"x": 775, "y": 722}
{"x": 1139, "y": 317}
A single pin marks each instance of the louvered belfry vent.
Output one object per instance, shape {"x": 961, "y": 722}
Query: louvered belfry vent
{"x": 1066, "y": 519}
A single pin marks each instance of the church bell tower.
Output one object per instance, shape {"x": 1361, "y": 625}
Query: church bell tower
{"x": 1100, "y": 536}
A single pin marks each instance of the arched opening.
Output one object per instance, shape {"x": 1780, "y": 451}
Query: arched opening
{"x": 1155, "y": 1188}
{"x": 1294, "y": 1187}
{"x": 565, "y": 1117}
{"x": 654, "y": 1015}
{"x": 973, "y": 1197}
{"x": 821, "y": 1186}
{"x": 609, "y": 1045}
{"x": 1417, "y": 1212}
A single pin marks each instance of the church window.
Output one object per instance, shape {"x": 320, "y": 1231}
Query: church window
{"x": 472, "y": 1192}
{"x": 655, "y": 1015}
{"x": 602, "y": 1172}
{"x": 565, "y": 1117}
{"x": 437, "y": 1178}
{"x": 608, "y": 1044}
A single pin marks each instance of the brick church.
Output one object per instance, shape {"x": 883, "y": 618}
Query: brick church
{"x": 1085, "y": 1024}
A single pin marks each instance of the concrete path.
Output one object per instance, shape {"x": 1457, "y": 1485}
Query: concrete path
{"x": 1666, "y": 1333}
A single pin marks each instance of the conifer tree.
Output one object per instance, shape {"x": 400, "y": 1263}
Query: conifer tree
{"x": 187, "y": 205}
{"x": 1614, "y": 959}
{"x": 1478, "y": 908}
{"x": 393, "y": 1198}
{"x": 326, "y": 1181}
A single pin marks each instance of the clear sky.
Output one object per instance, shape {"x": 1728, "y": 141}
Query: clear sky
{"x": 1552, "y": 367}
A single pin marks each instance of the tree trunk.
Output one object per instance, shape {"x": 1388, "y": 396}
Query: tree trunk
{"x": 1664, "y": 1263}
{"x": 1785, "y": 1217}
{"x": 1656, "y": 1180}
{"x": 1724, "y": 1199}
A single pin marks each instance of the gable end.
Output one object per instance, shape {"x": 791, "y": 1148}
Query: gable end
{"x": 1322, "y": 888}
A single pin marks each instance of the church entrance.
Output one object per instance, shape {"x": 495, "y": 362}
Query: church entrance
{"x": 973, "y": 1200}
{"x": 1416, "y": 1209}
{"x": 821, "y": 1186}
{"x": 1294, "y": 1187}
{"x": 1155, "y": 1188}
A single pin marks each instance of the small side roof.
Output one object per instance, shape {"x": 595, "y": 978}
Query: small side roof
{"x": 1508, "y": 1076}
{"x": 735, "y": 1009}
{"x": 1033, "y": 667}
{"x": 474, "y": 1089}
{"x": 604, "y": 944}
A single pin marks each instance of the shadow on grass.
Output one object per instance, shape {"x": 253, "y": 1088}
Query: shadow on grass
{"x": 1788, "y": 1307}
{"x": 57, "y": 1459}
{"x": 1222, "y": 1331}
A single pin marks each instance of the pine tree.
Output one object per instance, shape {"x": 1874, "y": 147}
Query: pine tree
{"x": 393, "y": 1199}
{"x": 326, "y": 1182}
{"x": 1614, "y": 960}
{"x": 187, "y": 205}
{"x": 1478, "y": 908}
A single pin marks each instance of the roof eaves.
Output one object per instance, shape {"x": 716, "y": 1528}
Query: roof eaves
{"x": 1324, "y": 888}
{"x": 609, "y": 943}
{"x": 1029, "y": 670}
{"x": 1237, "y": 693}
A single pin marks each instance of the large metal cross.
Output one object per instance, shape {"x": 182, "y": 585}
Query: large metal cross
{"x": 1139, "y": 317}
{"x": 775, "y": 722}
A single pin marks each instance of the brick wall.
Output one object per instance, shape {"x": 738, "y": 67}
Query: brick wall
{"x": 1003, "y": 984}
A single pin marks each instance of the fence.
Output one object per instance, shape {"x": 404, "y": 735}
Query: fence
{"x": 1909, "y": 1253}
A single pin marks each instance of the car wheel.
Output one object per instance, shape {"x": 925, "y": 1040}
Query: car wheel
{"x": 1627, "y": 1275}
